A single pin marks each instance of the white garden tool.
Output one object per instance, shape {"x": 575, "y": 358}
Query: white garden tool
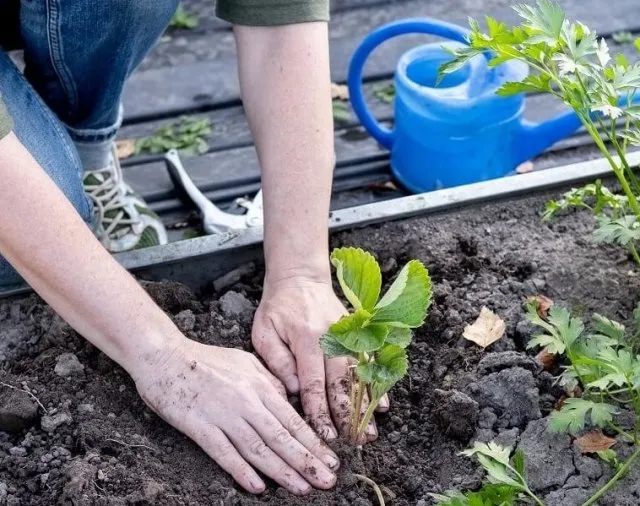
{"x": 214, "y": 220}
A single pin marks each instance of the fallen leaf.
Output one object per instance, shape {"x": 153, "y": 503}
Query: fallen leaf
{"x": 594, "y": 442}
{"x": 487, "y": 329}
{"x": 543, "y": 304}
{"x": 525, "y": 167}
{"x": 545, "y": 359}
{"x": 339, "y": 91}
{"x": 125, "y": 148}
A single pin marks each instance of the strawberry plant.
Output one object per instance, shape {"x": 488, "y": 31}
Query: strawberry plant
{"x": 378, "y": 330}
{"x": 570, "y": 62}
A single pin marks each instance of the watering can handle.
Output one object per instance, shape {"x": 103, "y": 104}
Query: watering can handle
{"x": 418, "y": 25}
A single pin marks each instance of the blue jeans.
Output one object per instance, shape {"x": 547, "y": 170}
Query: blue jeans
{"x": 66, "y": 107}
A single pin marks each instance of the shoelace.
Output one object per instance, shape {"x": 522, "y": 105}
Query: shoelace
{"x": 110, "y": 196}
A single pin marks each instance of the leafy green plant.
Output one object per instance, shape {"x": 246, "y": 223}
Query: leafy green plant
{"x": 385, "y": 92}
{"x": 183, "y": 20}
{"x": 378, "y": 330}
{"x": 341, "y": 111}
{"x": 187, "y": 135}
{"x": 570, "y": 63}
{"x": 605, "y": 364}
{"x": 603, "y": 360}
{"x": 506, "y": 476}
{"x": 622, "y": 37}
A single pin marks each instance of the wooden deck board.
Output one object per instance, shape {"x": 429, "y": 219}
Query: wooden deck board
{"x": 204, "y": 84}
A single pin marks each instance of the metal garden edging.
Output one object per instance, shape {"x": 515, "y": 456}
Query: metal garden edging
{"x": 196, "y": 261}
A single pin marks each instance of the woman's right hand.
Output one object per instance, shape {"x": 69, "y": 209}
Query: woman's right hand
{"x": 237, "y": 412}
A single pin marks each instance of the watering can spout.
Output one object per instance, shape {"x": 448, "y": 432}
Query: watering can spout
{"x": 537, "y": 137}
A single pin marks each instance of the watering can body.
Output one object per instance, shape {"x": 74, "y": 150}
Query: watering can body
{"x": 457, "y": 131}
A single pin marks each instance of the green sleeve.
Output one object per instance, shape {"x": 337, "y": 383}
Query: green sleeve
{"x": 272, "y": 12}
{"x": 5, "y": 120}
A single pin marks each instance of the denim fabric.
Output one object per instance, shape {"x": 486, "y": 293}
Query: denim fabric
{"x": 78, "y": 55}
{"x": 66, "y": 108}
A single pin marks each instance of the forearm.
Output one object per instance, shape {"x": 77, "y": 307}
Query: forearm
{"x": 285, "y": 81}
{"x": 43, "y": 237}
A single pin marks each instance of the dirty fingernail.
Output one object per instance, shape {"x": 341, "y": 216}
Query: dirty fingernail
{"x": 257, "y": 485}
{"x": 384, "y": 403}
{"x": 372, "y": 431}
{"x": 331, "y": 461}
{"x": 329, "y": 433}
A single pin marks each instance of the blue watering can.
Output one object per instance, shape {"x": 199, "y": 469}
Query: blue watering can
{"x": 459, "y": 131}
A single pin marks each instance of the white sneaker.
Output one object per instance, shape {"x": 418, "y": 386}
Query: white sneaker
{"x": 123, "y": 220}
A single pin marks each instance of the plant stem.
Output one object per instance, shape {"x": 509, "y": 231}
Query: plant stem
{"x": 373, "y": 485}
{"x": 621, "y": 472}
{"x": 533, "y": 496}
{"x": 621, "y": 431}
{"x": 634, "y": 253}
{"x": 366, "y": 418}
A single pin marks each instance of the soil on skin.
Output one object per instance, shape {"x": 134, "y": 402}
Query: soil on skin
{"x": 100, "y": 445}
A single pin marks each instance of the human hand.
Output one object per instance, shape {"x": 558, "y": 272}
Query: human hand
{"x": 292, "y": 316}
{"x": 237, "y": 412}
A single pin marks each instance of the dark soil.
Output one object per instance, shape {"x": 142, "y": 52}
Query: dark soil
{"x": 100, "y": 445}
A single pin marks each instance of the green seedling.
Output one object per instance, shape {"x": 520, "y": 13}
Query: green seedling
{"x": 569, "y": 62}
{"x": 622, "y": 37}
{"x": 341, "y": 113}
{"x": 378, "y": 331}
{"x": 604, "y": 362}
{"x": 506, "y": 477}
{"x": 385, "y": 92}
{"x": 188, "y": 135}
{"x": 183, "y": 20}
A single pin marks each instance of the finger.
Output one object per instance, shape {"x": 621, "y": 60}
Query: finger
{"x": 280, "y": 440}
{"x": 253, "y": 448}
{"x": 313, "y": 393}
{"x": 276, "y": 354}
{"x": 275, "y": 382}
{"x": 295, "y": 425}
{"x": 383, "y": 404}
{"x": 337, "y": 370}
{"x": 219, "y": 448}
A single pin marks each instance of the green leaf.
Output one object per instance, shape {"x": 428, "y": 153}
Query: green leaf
{"x": 355, "y": 333}
{"x": 563, "y": 331}
{"x": 400, "y": 336}
{"x": 609, "y": 328}
{"x": 572, "y": 417}
{"x": 388, "y": 367}
{"x": 341, "y": 112}
{"x": 359, "y": 276}
{"x": 518, "y": 462}
{"x": 461, "y": 58}
{"x": 407, "y": 300}
{"x": 332, "y": 347}
{"x": 621, "y": 231}
{"x": 622, "y": 37}
{"x": 545, "y": 19}
{"x": 636, "y": 44}
{"x": 537, "y": 83}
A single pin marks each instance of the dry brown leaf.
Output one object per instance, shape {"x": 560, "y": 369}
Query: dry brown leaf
{"x": 543, "y": 304}
{"x": 545, "y": 359}
{"x": 339, "y": 92}
{"x": 594, "y": 442}
{"x": 525, "y": 167}
{"x": 487, "y": 329}
{"x": 125, "y": 148}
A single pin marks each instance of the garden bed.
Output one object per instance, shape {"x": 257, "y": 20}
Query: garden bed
{"x": 100, "y": 445}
